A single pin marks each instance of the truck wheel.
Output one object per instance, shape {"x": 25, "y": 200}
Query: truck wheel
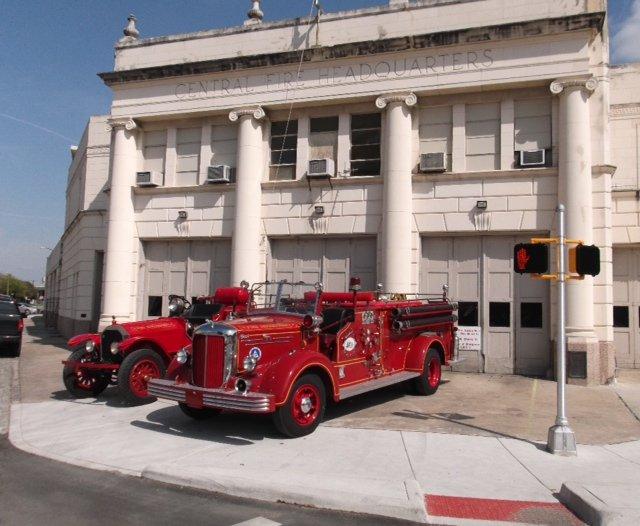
{"x": 429, "y": 381}
{"x": 82, "y": 384}
{"x": 304, "y": 409}
{"x": 136, "y": 370}
{"x": 198, "y": 414}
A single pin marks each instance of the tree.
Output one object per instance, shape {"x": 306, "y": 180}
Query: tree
{"x": 17, "y": 288}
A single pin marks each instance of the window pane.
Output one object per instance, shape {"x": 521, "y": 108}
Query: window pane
{"x": 369, "y": 120}
{"x": 499, "y": 314}
{"x": 324, "y": 124}
{"x": 284, "y": 142}
{"x": 283, "y": 157}
{"x": 281, "y": 173}
{"x": 621, "y": 316}
{"x": 365, "y": 152}
{"x": 365, "y": 168}
{"x": 531, "y": 315}
{"x": 278, "y": 128}
{"x": 155, "y": 306}
{"x": 365, "y": 137}
{"x": 468, "y": 314}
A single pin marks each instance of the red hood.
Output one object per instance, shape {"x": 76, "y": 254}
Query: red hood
{"x": 267, "y": 322}
{"x": 143, "y": 328}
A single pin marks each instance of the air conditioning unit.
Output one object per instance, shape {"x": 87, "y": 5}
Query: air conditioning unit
{"x": 220, "y": 173}
{"x": 532, "y": 158}
{"x": 321, "y": 168}
{"x": 433, "y": 162}
{"x": 149, "y": 179}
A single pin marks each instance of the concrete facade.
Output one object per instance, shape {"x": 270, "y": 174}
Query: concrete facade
{"x": 477, "y": 81}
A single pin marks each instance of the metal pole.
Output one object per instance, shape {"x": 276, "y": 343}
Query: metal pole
{"x": 561, "y": 440}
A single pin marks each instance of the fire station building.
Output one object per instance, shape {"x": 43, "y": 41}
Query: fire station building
{"x": 411, "y": 144}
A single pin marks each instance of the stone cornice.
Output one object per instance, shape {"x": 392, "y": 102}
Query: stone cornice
{"x": 587, "y": 84}
{"x": 121, "y": 122}
{"x": 625, "y": 110}
{"x": 409, "y": 99}
{"x": 551, "y": 26}
{"x": 257, "y": 113}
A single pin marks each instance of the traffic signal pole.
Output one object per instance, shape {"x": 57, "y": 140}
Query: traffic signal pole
{"x": 561, "y": 440}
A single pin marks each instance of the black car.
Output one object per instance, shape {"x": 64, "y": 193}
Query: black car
{"x": 11, "y": 326}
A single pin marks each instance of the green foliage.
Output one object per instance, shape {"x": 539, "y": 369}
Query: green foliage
{"x": 17, "y": 288}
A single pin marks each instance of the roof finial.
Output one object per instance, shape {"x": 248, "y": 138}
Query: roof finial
{"x": 255, "y": 14}
{"x": 131, "y": 31}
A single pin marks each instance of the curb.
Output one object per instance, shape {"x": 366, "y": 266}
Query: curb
{"x": 594, "y": 511}
{"x": 222, "y": 482}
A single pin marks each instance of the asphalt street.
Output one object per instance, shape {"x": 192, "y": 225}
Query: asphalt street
{"x": 37, "y": 491}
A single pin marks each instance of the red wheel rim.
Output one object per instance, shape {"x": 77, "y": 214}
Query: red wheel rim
{"x": 435, "y": 372}
{"x": 85, "y": 382}
{"x": 141, "y": 372}
{"x": 305, "y": 406}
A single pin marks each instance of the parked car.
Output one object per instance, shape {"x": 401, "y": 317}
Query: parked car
{"x": 129, "y": 354}
{"x": 299, "y": 351}
{"x": 27, "y": 309}
{"x": 11, "y": 327}
{"x": 5, "y": 297}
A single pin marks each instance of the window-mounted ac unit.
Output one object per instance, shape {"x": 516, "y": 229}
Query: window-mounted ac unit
{"x": 321, "y": 168}
{"x": 532, "y": 158}
{"x": 149, "y": 179}
{"x": 220, "y": 173}
{"x": 433, "y": 162}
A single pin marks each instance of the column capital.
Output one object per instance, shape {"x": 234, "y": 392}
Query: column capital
{"x": 410, "y": 99}
{"x": 256, "y": 112}
{"x": 587, "y": 84}
{"x": 121, "y": 122}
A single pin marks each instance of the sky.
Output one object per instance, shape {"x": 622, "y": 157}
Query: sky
{"x": 50, "y": 52}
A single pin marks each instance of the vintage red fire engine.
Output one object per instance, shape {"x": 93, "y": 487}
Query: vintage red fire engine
{"x": 128, "y": 354}
{"x": 299, "y": 351}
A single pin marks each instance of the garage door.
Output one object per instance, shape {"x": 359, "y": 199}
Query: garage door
{"x": 187, "y": 268}
{"x": 504, "y": 318}
{"x": 626, "y": 306}
{"x": 329, "y": 261}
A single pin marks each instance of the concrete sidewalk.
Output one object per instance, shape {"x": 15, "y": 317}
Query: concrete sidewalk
{"x": 402, "y": 473}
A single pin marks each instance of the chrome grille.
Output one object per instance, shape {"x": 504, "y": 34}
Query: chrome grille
{"x": 108, "y": 337}
{"x": 208, "y": 360}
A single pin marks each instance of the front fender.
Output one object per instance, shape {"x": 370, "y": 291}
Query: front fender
{"x": 279, "y": 377}
{"x": 418, "y": 349}
{"x": 81, "y": 339}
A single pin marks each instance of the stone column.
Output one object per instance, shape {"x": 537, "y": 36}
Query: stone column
{"x": 246, "y": 253}
{"x": 119, "y": 264}
{"x": 397, "y": 213}
{"x": 575, "y": 191}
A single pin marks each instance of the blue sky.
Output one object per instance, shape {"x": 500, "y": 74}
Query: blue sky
{"x": 50, "y": 52}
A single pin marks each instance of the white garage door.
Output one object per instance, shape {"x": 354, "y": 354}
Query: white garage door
{"x": 329, "y": 261}
{"x": 626, "y": 306}
{"x": 187, "y": 268}
{"x": 503, "y": 317}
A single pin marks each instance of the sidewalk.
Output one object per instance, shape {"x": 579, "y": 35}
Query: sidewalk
{"x": 396, "y": 473}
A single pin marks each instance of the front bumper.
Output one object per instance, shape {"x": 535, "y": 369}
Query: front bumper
{"x": 199, "y": 397}
{"x": 96, "y": 367}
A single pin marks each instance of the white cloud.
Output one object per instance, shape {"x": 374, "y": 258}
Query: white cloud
{"x": 625, "y": 41}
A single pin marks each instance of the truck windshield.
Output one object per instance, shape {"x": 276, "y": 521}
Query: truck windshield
{"x": 295, "y": 298}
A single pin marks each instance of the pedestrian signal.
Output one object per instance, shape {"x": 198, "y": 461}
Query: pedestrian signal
{"x": 531, "y": 258}
{"x": 584, "y": 260}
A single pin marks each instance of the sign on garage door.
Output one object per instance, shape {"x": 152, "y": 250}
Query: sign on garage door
{"x": 187, "y": 268}
{"x": 329, "y": 261}
{"x": 626, "y": 306}
{"x": 503, "y": 318}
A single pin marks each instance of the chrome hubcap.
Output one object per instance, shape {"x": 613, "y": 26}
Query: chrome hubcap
{"x": 305, "y": 404}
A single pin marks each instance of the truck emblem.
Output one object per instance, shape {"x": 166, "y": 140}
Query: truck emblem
{"x": 368, "y": 317}
{"x": 349, "y": 344}
{"x": 255, "y": 353}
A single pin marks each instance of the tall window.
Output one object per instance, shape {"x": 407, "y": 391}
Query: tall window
{"x": 533, "y": 127}
{"x": 155, "y": 148}
{"x": 323, "y": 138}
{"x": 284, "y": 144}
{"x": 224, "y": 145}
{"x": 365, "y": 144}
{"x": 436, "y": 128}
{"x": 483, "y": 137}
{"x": 188, "y": 156}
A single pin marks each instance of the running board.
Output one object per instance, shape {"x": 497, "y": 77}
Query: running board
{"x": 371, "y": 385}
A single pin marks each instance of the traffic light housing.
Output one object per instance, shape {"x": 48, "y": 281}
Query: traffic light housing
{"x": 584, "y": 260}
{"x": 531, "y": 258}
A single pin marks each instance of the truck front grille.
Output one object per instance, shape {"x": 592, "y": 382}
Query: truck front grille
{"x": 208, "y": 360}
{"x": 108, "y": 337}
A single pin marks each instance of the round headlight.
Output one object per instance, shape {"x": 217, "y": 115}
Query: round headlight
{"x": 189, "y": 328}
{"x": 89, "y": 346}
{"x": 182, "y": 356}
{"x": 249, "y": 363}
{"x": 114, "y": 348}
{"x": 176, "y": 306}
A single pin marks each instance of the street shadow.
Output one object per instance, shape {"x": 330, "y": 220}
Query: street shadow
{"x": 42, "y": 335}
{"x": 462, "y": 420}
{"x": 109, "y": 397}
{"x": 227, "y": 428}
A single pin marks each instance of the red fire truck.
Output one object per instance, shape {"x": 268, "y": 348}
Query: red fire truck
{"x": 296, "y": 350}
{"x": 129, "y": 354}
